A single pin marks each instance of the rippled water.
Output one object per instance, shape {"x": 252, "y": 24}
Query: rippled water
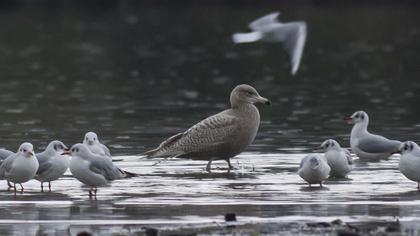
{"x": 139, "y": 72}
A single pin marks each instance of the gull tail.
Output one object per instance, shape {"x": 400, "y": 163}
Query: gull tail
{"x": 127, "y": 174}
{"x": 166, "y": 149}
{"x": 246, "y": 37}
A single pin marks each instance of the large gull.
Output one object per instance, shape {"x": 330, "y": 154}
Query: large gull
{"x": 218, "y": 137}
{"x": 369, "y": 146}
{"x": 269, "y": 29}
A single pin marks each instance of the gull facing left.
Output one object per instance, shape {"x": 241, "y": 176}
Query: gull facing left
{"x": 92, "y": 169}
{"x": 53, "y": 162}
{"x": 339, "y": 159}
{"x": 20, "y": 167}
{"x": 269, "y": 29}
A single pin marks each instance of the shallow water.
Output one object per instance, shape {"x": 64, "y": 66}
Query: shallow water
{"x": 136, "y": 73}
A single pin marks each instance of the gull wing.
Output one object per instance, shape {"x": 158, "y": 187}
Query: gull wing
{"x": 261, "y": 23}
{"x": 378, "y": 144}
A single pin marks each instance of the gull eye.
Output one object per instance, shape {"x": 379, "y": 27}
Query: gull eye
{"x": 406, "y": 147}
{"x": 327, "y": 145}
{"x": 332, "y": 144}
{"x": 357, "y": 116}
{"x": 362, "y": 117}
{"x": 94, "y": 139}
{"x": 249, "y": 93}
{"x": 86, "y": 139}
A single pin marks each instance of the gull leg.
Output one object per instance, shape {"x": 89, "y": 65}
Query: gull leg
{"x": 310, "y": 186}
{"x": 418, "y": 186}
{"x": 21, "y": 188}
{"x": 14, "y": 187}
{"x": 320, "y": 184}
{"x": 90, "y": 193}
{"x": 49, "y": 186}
{"x": 42, "y": 187}
{"x": 230, "y": 167}
{"x": 208, "y": 167}
{"x": 95, "y": 191}
{"x": 9, "y": 184}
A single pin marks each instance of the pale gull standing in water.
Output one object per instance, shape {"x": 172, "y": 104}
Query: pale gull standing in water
{"x": 53, "y": 162}
{"x": 369, "y": 146}
{"x": 339, "y": 159}
{"x": 20, "y": 167}
{"x": 92, "y": 169}
{"x": 269, "y": 29}
{"x": 92, "y": 141}
{"x": 410, "y": 161}
{"x": 221, "y": 136}
{"x": 314, "y": 169}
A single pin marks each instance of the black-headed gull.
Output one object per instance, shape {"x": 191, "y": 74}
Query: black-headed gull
{"x": 269, "y": 29}
{"x": 314, "y": 169}
{"x": 92, "y": 141}
{"x": 339, "y": 159}
{"x": 20, "y": 167}
{"x": 369, "y": 146}
{"x": 410, "y": 161}
{"x": 52, "y": 163}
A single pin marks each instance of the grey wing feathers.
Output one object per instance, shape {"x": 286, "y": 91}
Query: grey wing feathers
{"x": 261, "y": 23}
{"x": 378, "y": 144}
{"x": 105, "y": 167}
{"x": 5, "y": 153}
{"x": 348, "y": 156}
{"x": 43, "y": 160}
{"x": 163, "y": 149}
{"x": 303, "y": 161}
{"x": 6, "y": 166}
{"x": 106, "y": 149}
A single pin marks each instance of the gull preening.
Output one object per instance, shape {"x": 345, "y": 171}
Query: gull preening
{"x": 314, "y": 169}
{"x": 53, "y": 162}
{"x": 269, "y": 29}
{"x": 410, "y": 161}
{"x": 221, "y": 136}
{"x": 339, "y": 159}
{"x": 20, "y": 167}
{"x": 92, "y": 141}
{"x": 92, "y": 169}
{"x": 369, "y": 146}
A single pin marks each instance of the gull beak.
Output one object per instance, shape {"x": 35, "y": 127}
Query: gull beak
{"x": 66, "y": 152}
{"x": 31, "y": 154}
{"x": 396, "y": 152}
{"x": 318, "y": 148}
{"x": 263, "y": 100}
{"x": 349, "y": 120}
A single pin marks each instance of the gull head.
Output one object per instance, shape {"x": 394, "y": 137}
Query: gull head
{"x": 245, "y": 94}
{"x": 57, "y": 147}
{"x": 90, "y": 138}
{"x": 358, "y": 117}
{"x": 407, "y": 147}
{"x": 27, "y": 150}
{"x": 314, "y": 163}
{"x": 330, "y": 144}
{"x": 80, "y": 150}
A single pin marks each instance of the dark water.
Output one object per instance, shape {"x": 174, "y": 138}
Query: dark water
{"x": 136, "y": 73}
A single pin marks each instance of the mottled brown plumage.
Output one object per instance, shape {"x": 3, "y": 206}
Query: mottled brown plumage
{"x": 218, "y": 137}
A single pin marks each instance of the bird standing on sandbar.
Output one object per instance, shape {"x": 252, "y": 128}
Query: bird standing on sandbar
{"x": 20, "y": 167}
{"x": 218, "y": 137}
{"x": 369, "y": 146}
